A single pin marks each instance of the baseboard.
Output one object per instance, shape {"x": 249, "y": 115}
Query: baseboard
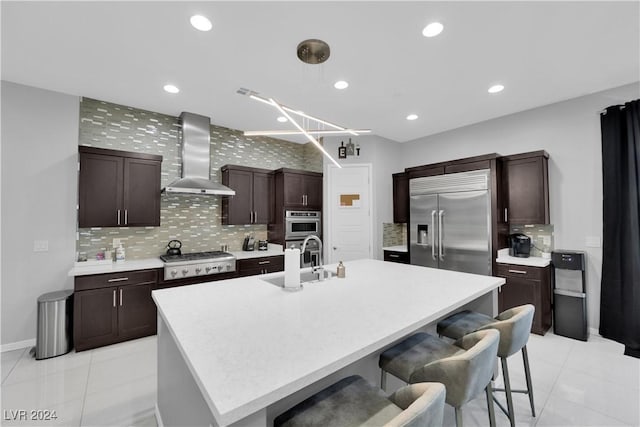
{"x": 17, "y": 345}
{"x": 158, "y": 417}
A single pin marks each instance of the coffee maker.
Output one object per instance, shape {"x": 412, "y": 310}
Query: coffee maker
{"x": 519, "y": 245}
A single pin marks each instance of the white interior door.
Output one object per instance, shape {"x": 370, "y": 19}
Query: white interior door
{"x": 349, "y": 213}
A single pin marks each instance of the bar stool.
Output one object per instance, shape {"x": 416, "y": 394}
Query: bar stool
{"x": 353, "y": 401}
{"x": 464, "y": 368}
{"x": 515, "y": 327}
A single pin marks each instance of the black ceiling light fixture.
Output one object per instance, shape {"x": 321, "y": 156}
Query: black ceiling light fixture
{"x": 313, "y": 51}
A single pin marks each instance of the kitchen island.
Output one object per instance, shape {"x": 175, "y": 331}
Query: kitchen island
{"x": 241, "y": 351}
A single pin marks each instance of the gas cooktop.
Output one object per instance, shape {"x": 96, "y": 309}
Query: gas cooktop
{"x": 196, "y": 256}
{"x": 197, "y": 264}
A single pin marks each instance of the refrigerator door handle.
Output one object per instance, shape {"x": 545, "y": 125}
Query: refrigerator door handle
{"x": 440, "y": 246}
{"x": 433, "y": 235}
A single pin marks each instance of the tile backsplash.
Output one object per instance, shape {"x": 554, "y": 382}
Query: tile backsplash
{"x": 541, "y": 237}
{"x": 192, "y": 219}
{"x": 394, "y": 234}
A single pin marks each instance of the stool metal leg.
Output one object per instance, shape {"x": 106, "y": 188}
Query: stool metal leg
{"x": 383, "y": 380}
{"x": 492, "y": 415}
{"x": 507, "y": 387}
{"x": 458, "y": 417}
{"x": 527, "y": 373}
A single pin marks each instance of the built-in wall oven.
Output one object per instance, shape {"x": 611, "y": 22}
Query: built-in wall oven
{"x": 300, "y": 224}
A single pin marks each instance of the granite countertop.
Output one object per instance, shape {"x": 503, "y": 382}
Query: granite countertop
{"x": 102, "y": 267}
{"x": 398, "y": 248}
{"x": 270, "y": 343}
{"x": 532, "y": 261}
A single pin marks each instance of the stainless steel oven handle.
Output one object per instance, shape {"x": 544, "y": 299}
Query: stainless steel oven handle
{"x": 433, "y": 234}
{"x": 440, "y": 225}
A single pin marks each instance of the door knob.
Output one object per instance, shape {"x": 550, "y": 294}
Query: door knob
{"x": 335, "y": 248}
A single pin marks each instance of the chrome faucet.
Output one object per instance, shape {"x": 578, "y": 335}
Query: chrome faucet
{"x": 318, "y": 269}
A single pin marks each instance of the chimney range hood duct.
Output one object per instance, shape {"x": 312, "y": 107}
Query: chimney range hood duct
{"x": 196, "y": 150}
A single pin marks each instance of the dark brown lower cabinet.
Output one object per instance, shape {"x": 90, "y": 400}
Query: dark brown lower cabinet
{"x": 261, "y": 265}
{"x": 114, "y": 307}
{"x": 397, "y": 256}
{"x": 527, "y": 285}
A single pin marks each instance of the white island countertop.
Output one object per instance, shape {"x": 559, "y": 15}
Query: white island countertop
{"x": 248, "y": 343}
{"x": 504, "y": 258}
{"x": 398, "y": 248}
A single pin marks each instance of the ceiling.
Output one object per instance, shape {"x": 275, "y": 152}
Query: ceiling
{"x": 125, "y": 52}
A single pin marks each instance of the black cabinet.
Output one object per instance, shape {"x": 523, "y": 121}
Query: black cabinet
{"x": 114, "y": 307}
{"x": 526, "y": 179}
{"x": 527, "y": 285}
{"x": 396, "y": 256}
{"x": 118, "y": 188}
{"x": 400, "y": 198}
{"x": 299, "y": 189}
{"x": 260, "y": 265}
{"x": 252, "y": 201}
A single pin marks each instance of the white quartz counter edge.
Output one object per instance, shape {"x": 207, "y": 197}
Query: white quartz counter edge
{"x": 116, "y": 267}
{"x": 237, "y": 410}
{"x": 273, "y": 250}
{"x": 531, "y": 261}
{"x": 398, "y": 248}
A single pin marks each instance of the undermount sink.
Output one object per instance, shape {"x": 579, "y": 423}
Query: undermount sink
{"x": 306, "y": 277}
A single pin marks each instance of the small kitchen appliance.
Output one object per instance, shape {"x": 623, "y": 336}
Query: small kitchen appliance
{"x": 519, "y": 245}
{"x": 197, "y": 264}
{"x": 173, "y": 248}
{"x": 300, "y": 224}
{"x": 249, "y": 243}
{"x": 263, "y": 245}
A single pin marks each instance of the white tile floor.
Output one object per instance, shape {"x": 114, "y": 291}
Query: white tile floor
{"x": 575, "y": 384}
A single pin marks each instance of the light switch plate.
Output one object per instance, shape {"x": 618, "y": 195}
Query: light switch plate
{"x": 40, "y": 245}
{"x": 592, "y": 242}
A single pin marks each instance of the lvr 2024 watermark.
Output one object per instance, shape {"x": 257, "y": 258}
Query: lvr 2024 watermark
{"x": 29, "y": 415}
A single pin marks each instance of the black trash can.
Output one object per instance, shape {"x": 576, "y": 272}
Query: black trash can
{"x": 55, "y": 324}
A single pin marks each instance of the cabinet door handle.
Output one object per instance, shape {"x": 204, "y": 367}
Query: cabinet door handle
{"x": 120, "y": 297}
{"x": 119, "y": 279}
{"x": 506, "y": 215}
{"x": 118, "y": 216}
{"x": 126, "y": 214}
{"x": 518, "y": 271}
{"x": 264, "y": 262}
{"x": 394, "y": 256}
{"x": 255, "y": 217}
{"x": 114, "y": 298}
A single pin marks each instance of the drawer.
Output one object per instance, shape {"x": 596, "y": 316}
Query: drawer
{"x": 195, "y": 280}
{"x": 96, "y": 281}
{"x": 261, "y": 263}
{"x": 393, "y": 256}
{"x": 521, "y": 271}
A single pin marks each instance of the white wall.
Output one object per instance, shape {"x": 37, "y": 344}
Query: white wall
{"x": 570, "y": 132}
{"x": 39, "y": 193}
{"x": 383, "y": 156}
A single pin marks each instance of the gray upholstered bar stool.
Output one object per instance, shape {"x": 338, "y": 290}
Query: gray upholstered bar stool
{"x": 353, "y": 401}
{"x": 515, "y": 327}
{"x": 465, "y": 368}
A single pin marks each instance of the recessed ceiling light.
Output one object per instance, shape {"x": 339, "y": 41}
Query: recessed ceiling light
{"x": 432, "y": 29}
{"x": 201, "y": 23}
{"x": 496, "y": 89}
{"x": 412, "y": 116}
{"x": 171, "y": 89}
{"x": 341, "y": 84}
{"x": 282, "y": 119}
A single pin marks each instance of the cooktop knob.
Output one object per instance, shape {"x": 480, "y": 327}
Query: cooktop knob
{"x": 198, "y": 270}
{"x": 184, "y": 272}
{"x": 207, "y": 269}
{"x": 173, "y": 273}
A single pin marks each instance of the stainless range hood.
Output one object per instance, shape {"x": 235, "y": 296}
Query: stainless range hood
{"x": 196, "y": 158}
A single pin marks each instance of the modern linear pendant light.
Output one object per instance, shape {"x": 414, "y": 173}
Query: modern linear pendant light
{"x": 311, "y": 51}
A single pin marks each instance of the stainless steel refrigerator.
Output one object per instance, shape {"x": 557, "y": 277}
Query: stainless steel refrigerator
{"x": 450, "y": 222}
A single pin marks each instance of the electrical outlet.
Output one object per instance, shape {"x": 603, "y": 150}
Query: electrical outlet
{"x": 41, "y": 246}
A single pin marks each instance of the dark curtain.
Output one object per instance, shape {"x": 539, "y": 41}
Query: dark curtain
{"x": 620, "y": 287}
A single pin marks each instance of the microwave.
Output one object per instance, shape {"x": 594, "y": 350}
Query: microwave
{"x": 300, "y": 224}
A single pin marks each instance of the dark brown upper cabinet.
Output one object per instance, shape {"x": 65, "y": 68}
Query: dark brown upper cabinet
{"x": 526, "y": 179}
{"x": 118, "y": 188}
{"x": 252, "y": 202}
{"x": 299, "y": 189}
{"x": 400, "y": 198}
